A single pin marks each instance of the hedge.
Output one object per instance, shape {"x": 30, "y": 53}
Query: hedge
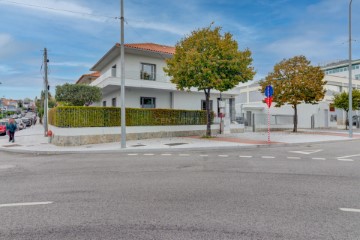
{"x": 110, "y": 117}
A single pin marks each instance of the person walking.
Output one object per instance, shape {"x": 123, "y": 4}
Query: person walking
{"x": 11, "y": 129}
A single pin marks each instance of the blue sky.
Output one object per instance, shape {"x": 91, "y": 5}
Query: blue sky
{"x": 271, "y": 29}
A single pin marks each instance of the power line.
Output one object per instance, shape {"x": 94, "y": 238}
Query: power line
{"x": 58, "y": 9}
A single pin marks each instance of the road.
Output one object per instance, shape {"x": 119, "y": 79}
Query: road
{"x": 296, "y": 192}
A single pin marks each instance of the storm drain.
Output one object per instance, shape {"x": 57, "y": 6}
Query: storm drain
{"x": 138, "y": 145}
{"x": 174, "y": 144}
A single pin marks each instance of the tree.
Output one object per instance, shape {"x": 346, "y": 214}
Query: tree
{"x": 78, "y": 94}
{"x": 208, "y": 60}
{"x": 295, "y": 81}
{"x": 341, "y": 101}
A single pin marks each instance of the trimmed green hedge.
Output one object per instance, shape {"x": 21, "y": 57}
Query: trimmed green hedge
{"x": 110, "y": 117}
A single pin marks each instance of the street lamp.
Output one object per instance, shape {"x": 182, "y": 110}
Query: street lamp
{"x": 350, "y": 77}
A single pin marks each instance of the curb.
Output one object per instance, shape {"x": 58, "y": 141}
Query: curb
{"x": 128, "y": 150}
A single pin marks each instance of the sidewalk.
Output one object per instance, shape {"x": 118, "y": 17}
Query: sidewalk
{"x": 32, "y": 140}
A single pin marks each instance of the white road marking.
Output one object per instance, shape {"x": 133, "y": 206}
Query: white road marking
{"x": 267, "y": 157}
{"x": 149, "y": 154}
{"x": 204, "y": 155}
{"x": 245, "y": 156}
{"x": 166, "y": 154}
{"x": 223, "y": 155}
{"x": 24, "y": 204}
{"x": 350, "y": 156}
{"x": 307, "y": 151}
{"x": 318, "y": 158}
{"x": 184, "y": 155}
{"x": 345, "y": 160}
{"x": 132, "y": 154}
{"x": 350, "y": 210}
{"x": 293, "y": 158}
{"x": 6, "y": 166}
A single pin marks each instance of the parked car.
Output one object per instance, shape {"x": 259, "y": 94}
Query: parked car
{"x": 20, "y": 124}
{"x": 2, "y": 128}
{"x": 27, "y": 121}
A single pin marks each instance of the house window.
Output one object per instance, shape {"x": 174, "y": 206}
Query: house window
{"x": 203, "y": 105}
{"x": 147, "y": 102}
{"x": 113, "y": 71}
{"x": 104, "y": 103}
{"x": 148, "y": 71}
{"x": 113, "y": 102}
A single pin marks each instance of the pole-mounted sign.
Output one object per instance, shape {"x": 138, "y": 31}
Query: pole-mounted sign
{"x": 269, "y": 92}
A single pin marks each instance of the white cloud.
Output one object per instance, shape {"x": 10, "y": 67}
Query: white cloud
{"x": 7, "y": 70}
{"x": 8, "y": 46}
{"x": 62, "y": 8}
{"x": 72, "y": 64}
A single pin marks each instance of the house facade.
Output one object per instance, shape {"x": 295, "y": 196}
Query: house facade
{"x": 321, "y": 115}
{"x": 146, "y": 84}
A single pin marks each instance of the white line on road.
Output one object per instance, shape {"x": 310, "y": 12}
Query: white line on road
{"x": 293, "y": 158}
{"x": 345, "y": 160}
{"x": 149, "y": 154}
{"x": 24, "y": 204}
{"x": 184, "y": 155}
{"x": 245, "y": 156}
{"x": 350, "y": 210}
{"x": 223, "y": 155}
{"x": 318, "y": 158}
{"x": 132, "y": 154}
{"x": 307, "y": 151}
{"x": 166, "y": 154}
{"x": 349, "y": 156}
{"x": 267, "y": 157}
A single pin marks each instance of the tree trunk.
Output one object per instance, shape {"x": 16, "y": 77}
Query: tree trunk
{"x": 208, "y": 112}
{"x": 295, "y": 118}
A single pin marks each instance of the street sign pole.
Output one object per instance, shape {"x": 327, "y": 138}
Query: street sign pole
{"x": 269, "y": 92}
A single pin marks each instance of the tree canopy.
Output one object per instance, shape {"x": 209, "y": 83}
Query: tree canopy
{"x": 295, "y": 81}
{"x": 209, "y": 60}
{"x": 341, "y": 101}
{"x": 78, "y": 94}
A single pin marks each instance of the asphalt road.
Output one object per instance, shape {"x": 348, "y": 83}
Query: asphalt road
{"x": 299, "y": 192}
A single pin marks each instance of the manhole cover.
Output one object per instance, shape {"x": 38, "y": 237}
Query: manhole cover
{"x": 12, "y": 145}
{"x": 138, "y": 145}
{"x": 175, "y": 144}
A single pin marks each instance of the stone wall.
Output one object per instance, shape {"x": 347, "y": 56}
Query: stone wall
{"x": 84, "y": 136}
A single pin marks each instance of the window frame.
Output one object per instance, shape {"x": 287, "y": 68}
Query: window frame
{"x": 151, "y": 76}
{"x": 142, "y": 102}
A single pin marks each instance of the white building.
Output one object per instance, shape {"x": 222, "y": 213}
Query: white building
{"x": 146, "y": 84}
{"x": 250, "y": 100}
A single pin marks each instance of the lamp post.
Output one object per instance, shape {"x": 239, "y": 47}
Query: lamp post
{"x": 122, "y": 65}
{"x": 350, "y": 77}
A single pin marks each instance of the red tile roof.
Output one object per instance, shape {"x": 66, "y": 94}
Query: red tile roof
{"x": 151, "y": 47}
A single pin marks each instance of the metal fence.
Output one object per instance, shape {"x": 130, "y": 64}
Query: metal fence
{"x": 259, "y": 121}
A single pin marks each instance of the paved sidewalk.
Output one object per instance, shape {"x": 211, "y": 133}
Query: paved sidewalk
{"x": 32, "y": 140}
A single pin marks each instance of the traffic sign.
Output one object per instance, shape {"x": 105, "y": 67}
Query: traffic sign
{"x": 269, "y": 91}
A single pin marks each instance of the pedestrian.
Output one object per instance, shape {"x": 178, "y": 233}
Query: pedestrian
{"x": 11, "y": 129}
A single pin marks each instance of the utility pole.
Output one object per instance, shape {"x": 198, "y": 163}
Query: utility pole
{"x": 46, "y": 89}
{"x": 350, "y": 77}
{"x": 122, "y": 65}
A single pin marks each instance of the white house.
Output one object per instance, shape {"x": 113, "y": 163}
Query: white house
{"x": 146, "y": 84}
{"x": 250, "y": 100}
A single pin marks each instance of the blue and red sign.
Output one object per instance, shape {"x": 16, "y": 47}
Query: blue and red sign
{"x": 269, "y": 92}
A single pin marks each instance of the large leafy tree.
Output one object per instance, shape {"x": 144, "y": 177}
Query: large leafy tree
{"x": 208, "y": 60}
{"x": 295, "y": 81}
{"x": 341, "y": 101}
{"x": 78, "y": 94}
